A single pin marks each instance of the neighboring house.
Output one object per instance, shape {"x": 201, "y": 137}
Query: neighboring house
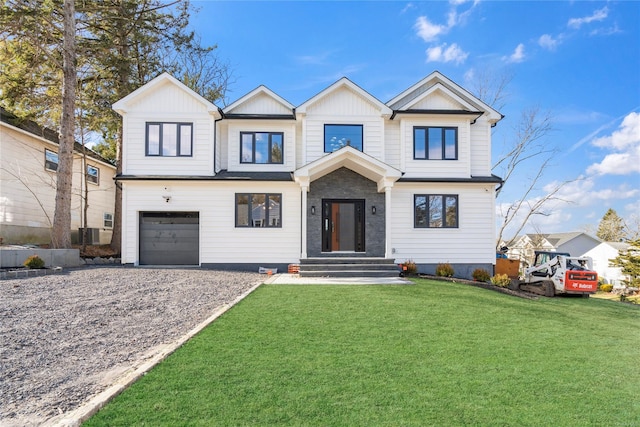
{"x": 575, "y": 243}
{"x": 601, "y": 255}
{"x": 265, "y": 183}
{"x": 28, "y": 164}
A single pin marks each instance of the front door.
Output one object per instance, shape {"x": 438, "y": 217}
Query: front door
{"x": 343, "y": 226}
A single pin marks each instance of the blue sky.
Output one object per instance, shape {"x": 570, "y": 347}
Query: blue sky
{"x": 579, "y": 61}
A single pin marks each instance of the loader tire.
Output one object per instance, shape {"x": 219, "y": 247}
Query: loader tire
{"x": 549, "y": 289}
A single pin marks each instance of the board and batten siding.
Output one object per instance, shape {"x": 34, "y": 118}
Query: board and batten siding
{"x": 232, "y": 141}
{"x": 261, "y": 104}
{"x": 414, "y": 168}
{"x": 481, "y": 147}
{"x": 138, "y": 163}
{"x": 472, "y": 242}
{"x": 220, "y": 240}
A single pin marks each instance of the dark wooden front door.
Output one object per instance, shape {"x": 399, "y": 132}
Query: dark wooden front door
{"x": 343, "y": 226}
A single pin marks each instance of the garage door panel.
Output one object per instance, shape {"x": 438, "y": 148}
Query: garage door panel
{"x": 169, "y": 238}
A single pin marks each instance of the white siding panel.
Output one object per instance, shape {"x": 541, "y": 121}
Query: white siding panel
{"x": 481, "y": 148}
{"x": 437, "y": 101}
{"x": 261, "y": 104}
{"x": 345, "y": 103}
{"x": 220, "y": 240}
{"x": 138, "y": 163}
{"x": 166, "y": 99}
{"x": 392, "y": 144}
{"x": 472, "y": 242}
{"x": 459, "y": 168}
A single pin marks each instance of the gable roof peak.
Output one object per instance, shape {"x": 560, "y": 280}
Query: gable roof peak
{"x": 339, "y": 84}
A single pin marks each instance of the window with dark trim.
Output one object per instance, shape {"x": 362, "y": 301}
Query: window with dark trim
{"x": 435, "y": 143}
{"x": 261, "y": 147}
{"x": 338, "y": 136}
{"x": 50, "y": 160}
{"x": 169, "y": 139}
{"x": 436, "y": 211}
{"x": 108, "y": 220}
{"x": 93, "y": 174}
{"x": 258, "y": 210}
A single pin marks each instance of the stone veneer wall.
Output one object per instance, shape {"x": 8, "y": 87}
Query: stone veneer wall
{"x": 346, "y": 184}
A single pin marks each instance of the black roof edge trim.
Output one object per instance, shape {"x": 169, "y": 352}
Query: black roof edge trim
{"x": 258, "y": 176}
{"x": 493, "y": 179}
{"x": 260, "y": 116}
{"x": 423, "y": 111}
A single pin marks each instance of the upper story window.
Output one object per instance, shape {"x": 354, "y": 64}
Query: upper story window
{"x": 50, "y": 160}
{"x": 261, "y": 147}
{"x": 436, "y": 211}
{"x": 93, "y": 174}
{"x": 435, "y": 143}
{"x": 169, "y": 139}
{"x": 338, "y": 136}
{"x": 108, "y": 220}
{"x": 258, "y": 210}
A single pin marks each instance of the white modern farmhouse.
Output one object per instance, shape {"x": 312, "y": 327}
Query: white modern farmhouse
{"x": 341, "y": 177}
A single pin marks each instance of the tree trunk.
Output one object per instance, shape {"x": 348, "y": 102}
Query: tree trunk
{"x": 61, "y": 236}
{"x": 116, "y": 237}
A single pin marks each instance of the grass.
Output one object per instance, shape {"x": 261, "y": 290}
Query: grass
{"x": 431, "y": 354}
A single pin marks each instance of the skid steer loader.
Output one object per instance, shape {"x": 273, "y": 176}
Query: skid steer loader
{"x": 556, "y": 273}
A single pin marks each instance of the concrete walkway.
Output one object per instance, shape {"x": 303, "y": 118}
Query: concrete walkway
{"x": 295, "y": 279}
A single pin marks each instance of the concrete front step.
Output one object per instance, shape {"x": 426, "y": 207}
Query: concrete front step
{"x": 348, "y": 267}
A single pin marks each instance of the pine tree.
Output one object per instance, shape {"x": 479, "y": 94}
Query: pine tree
{"x": 611, "y": 227}
{"x": 629, "y": 261}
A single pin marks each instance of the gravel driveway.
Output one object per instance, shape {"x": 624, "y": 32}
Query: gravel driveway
{"x": 66, "y": 337}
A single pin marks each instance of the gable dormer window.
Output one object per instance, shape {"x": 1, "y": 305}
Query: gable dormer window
{"x": 338, "y": 136}
{"x": 169, "y": 139}
{"x": 435, "y": 143}
{"x": 261, "y": 147}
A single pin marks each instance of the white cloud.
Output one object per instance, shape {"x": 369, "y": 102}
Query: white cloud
{"x": 517, "y": 55}
{"x": 443, "y": 53}
{"x": 548, "y": 42}
{"x": 427, "y": 30}
{"x": 408, "y": 7}
{"x": 598, "y": 15}
{"x": 627, "y": 135}
{"x": 625, "y": 142}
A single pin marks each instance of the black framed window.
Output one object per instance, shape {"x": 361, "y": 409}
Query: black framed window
{"x": 436, "y": 211}
{"x": 50, "y": 160}
{"x": 261, "y": 147}
{"x": 338, "y": 136}
{"x": 93, "y": 174}
{"x": 169, "y": 139}
{"x": 258, "y": 210}
{"x": 435, "y": 143}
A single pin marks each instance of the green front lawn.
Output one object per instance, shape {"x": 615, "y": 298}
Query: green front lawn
{"x": 430, "y": 354}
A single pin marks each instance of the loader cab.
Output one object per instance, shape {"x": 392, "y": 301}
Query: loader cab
{"x": 543, "y": 257}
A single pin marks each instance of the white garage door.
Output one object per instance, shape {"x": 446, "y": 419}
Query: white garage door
{"x": 169, "y": 238}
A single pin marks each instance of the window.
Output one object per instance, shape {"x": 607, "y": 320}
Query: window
{"x": 261, "y": 147}
{"x": 435, "y": 143}
{"x": 258, "y": 210}
{"x": 436, "y": 211}
{"x": 50, "y": 160}
{"x": 108, "y": 220}
{"x": 93, "y": 174}
{"x": 338, "y": 136}
{"x": 169, "y": 139}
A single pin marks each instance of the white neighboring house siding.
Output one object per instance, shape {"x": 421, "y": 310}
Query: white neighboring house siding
{"x": 471, "y": 243}
{"x": 167, "y": 104}
{"x": 601, "y": 255}
{"x": 27, "y": 199}
{"x": 343, "y": 106}
{"x": 221, "y": 242}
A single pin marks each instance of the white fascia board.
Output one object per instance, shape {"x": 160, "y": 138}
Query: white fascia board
{"x": 257, "y": 91}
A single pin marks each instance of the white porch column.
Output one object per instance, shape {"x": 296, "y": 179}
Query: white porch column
{"x": 304, "y": 188}
{"x": 387, "y": 222}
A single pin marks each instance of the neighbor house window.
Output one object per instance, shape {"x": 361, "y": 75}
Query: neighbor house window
{"x": 435, "y": 143}
{"x": 338, "y": 136}
{"x": 261, "y": 147}
{"x": 436, "y": 211}
{"x": 93, "y": 174}
{"x": 50, "y": 160}
{"x": 169, "y": 139}
{"x": 108, "y": 220}
{"x": 258, "y": 210}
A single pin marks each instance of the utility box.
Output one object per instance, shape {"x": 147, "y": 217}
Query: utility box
{"x": 93, "y": 236}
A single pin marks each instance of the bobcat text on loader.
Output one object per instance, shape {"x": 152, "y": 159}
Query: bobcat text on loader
{"x": 556, "y": 273}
